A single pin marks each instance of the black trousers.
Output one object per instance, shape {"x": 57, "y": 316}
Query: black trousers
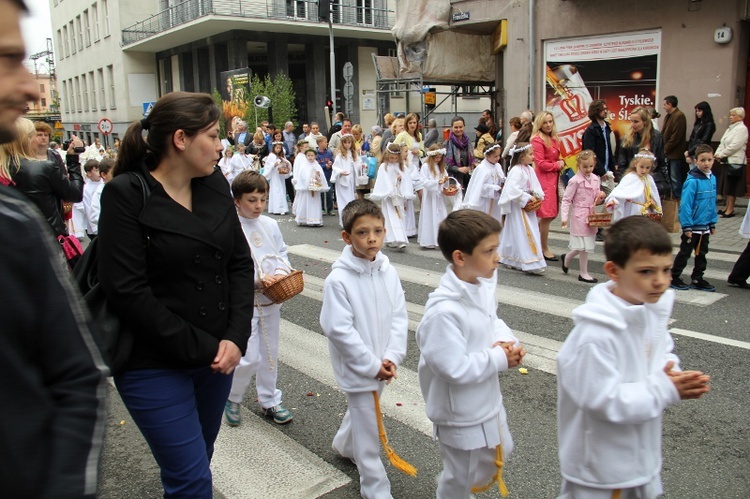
{"x": 698, "y": 244}
{"x": 741, "y": 269}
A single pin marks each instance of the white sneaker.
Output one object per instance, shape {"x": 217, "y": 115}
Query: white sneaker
{"x": 535, "y": 272}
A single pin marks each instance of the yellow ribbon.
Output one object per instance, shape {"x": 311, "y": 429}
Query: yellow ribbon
{"x": 395, "y": 460}
{"x": 529, "y": 236}
{"x": 497, "y": 477}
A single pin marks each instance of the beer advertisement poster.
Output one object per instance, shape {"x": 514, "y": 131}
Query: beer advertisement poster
{"x": 622, "y": 69}
{"x": 235, "y": 92}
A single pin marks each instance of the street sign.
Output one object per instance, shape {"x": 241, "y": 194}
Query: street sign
{"x": 147, "y": 107}
{"x": 58, "y": 125}
{"x": 348, "y": 71}
{"x": 104, "y": 126}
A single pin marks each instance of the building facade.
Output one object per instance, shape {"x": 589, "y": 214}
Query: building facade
{"x": 115, "y": 57}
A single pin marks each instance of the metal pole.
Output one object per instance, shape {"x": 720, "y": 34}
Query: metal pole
{"x": 532, "y": 60}
{"x": 333, "y": 65}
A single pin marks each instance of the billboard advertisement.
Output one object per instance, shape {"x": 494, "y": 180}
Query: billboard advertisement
{"x": 622, "y": 69}
{"x": 235, "y": 92}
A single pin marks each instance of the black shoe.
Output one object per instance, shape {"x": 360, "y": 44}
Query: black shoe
{"x": 593, "y": 280}
{"x": 552, "y": 258}
{"x": 739, "y": 284}
{"x": 701, "y": 285}
{"x": 678, "y": 283}
{"x": 727, "y": 215}
{"x": 562, "y": 261}
{"x": 600, "y": 237}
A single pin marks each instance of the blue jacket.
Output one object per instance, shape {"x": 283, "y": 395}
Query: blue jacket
{"x": 698, "y": 202}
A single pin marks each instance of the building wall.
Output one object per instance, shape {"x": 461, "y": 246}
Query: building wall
{"x": 43, "y": 104}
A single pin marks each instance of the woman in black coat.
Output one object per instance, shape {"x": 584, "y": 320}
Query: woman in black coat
{"x": 703, "y": 129}
{"x": 177, "y": 271}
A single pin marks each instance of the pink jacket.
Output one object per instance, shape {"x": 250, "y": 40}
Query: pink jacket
{"x": 581, "y": 195}
{"x": 547, "y": 170}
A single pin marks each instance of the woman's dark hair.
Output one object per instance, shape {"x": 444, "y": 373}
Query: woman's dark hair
{"x": 708, "y": 116}
{"x": 190, "y": 112}
{"x": 458, "y": 118}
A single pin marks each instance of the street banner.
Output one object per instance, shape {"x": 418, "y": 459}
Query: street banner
{"x": 621, "y": 69}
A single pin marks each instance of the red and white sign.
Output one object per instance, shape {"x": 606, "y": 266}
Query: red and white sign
{"x": 105, "y": 126}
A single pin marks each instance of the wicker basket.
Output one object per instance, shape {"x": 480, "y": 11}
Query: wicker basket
{"x": 363, "y": 180}
{"x": 450, "y": 187}
{"x": 654, "y": 216}
{"x": 283, "y": 170}
{"x": 286, "y": 287}
{"x": 599, "y": 219}
{"x": 533, "y": 205}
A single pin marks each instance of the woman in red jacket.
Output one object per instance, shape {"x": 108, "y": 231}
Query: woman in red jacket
{"x": 548, "y": 163}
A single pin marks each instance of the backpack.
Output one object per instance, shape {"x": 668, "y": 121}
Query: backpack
{"x": 114, "y": 341}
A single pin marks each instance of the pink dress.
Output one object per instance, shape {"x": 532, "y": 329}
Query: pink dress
{"x": 581, "y": 195}
{"x": 547, "y": 170}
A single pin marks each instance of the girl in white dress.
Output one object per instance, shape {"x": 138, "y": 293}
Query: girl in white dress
{"x": 240, "y": 162}
{"x": 411, "y": 171}
{"x": 520, "y": 244}
{"x": 485, "y": 184}
{"x": 346, "y": 167}
{"x": 277, "y": 169}
{"x": 225, "y": 163}
{"x": 434, "y": 209}
{"x": 636, "y": 194}
{"x": 392, "y": 187}
{"x": 309, "y": 182}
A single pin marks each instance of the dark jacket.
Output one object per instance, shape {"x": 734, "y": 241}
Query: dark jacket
{"x": 53, "y": 387}
{"x": 701, "y": 134}
{"x": 661, "y": 168}
{"x": 247, "y": 139}
{"x": 698, "y": 202}
{"x": 674, "y": 131}
{"x": 595, "y": 140}
{"x": 46, "y": 184}
{"x": 180, "y": 280}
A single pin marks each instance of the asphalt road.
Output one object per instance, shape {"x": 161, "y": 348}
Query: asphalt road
{"x": 706, "y": 442}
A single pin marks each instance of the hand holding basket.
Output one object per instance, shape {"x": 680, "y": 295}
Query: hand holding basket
{"x": 450, "y": 187}
{"x": 285, "y": 286}
{"x": 533, "y": 204}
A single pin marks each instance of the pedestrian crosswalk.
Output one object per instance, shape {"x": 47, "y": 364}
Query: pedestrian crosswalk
{"x": 259, "y": 459}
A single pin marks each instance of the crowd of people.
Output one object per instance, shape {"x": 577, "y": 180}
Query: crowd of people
{"x": 186, "y": 255}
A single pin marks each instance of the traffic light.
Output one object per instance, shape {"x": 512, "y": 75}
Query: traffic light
{"x": 329, "y": 103}
{"x": 324, "y": 10}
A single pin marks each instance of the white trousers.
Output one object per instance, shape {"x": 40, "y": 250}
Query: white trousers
{"x": 650, "y": 490}
{"x": 464, "y": 469}
{"x": 358, "y": 440}
{"x": 261, "y": 359}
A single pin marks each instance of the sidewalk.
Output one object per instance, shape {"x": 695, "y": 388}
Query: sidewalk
{"x": 726, "y": 239}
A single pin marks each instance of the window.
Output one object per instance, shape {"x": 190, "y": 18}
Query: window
{"x": 44, "y": 102}
{"x": 102, "y": 91}
{"x": 72, "y": 33}
{"x": 41, "y": 88}
{"x": 92, "y": 83}
{"x": 80, "y": 33}
{"x": 87, "y": 27}
{"x": 364, "y": 12}
{"x": 336, "y": 11}
{"x": 95, "y": 15}
{"x": 111, "y": 76}
{"x": 66, "y": 97}
{"x": 78, "y": 95}
{"x": 60, "y": 45}
{"x": 105, "y": 14}
{"x": 85, "y": 91}
{"x": 66, "y": 50}
{"x": 296, "y": 9}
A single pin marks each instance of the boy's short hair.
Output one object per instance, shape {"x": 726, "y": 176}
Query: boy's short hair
{"x": 321, "y": 138}
{"x": 90, "y": 165}
{"x": 106, "y": 165}
{"x": 463, "y": 229}
{"x": 359, "y": 208}
{"x": 247, "y": 182}
{"x": 702, "y": 149}
{"x": 632, "y": 234}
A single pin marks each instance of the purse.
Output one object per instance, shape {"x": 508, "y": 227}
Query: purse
{"x": 71, "y": 248}
{"x": 114, "y": 341}
{"x": 372, "y": 166}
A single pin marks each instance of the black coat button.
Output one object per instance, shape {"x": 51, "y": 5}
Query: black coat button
{"x": 218, "y": 279}
{"x": 199, "y": 286}
{"x": 218, "y": 255}
{"x": 202, "y": 312}
{"x": 222, "y": 306}
{"x": 197, "y": 259}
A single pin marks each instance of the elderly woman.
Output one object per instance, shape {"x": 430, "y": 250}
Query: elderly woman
{"x": 642, "y": 135}
{"x": 431, "y": 135}
{"x": 459, "y": 157}
{"x": 548, "y": 163}
{"x": 732, "y": 151}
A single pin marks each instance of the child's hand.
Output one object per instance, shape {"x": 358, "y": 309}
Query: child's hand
{"x": 513, "y": 353}
{"x": 387, "y": 371}
{"x": 611, "y": 204}
{"x": 688, "y": 235}
{"x": 564, "y": 224}
{"x": 689, "y": 384}
{"x": 712, "y": 230}
{"x": 600, "y": 197}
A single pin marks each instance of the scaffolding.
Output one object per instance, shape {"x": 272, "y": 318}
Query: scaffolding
{"x": 390, "y": 80}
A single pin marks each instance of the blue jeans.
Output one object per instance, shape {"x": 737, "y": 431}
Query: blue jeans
{"x": 327, "y": 199}
{"x": 179, "y": 413}
{"x": 677, "y": 176}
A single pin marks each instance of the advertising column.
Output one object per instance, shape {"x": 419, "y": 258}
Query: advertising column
{"x": 621, "y": 69}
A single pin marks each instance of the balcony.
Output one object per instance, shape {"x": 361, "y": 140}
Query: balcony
{"x": 352, "y": 18}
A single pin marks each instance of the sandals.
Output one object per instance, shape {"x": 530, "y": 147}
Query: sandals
{"x": 727, "y": 215}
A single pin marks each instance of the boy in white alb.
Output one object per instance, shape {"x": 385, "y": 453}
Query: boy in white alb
{"x": 364, "y": 317}
{"x": 616, "y": 373}
{"x": 91, "y": 167}
{"x": 250, "y": 191}
{"x": 464, "y": 345}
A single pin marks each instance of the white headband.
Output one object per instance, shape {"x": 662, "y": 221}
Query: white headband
{"x": 275, "y": 143}
{"x": 344, "y": 135}
{"x": 493, "y": 147}
{"x": 436, "y": 152}
{"x": 398, "y": 148}
{"x": 513, "y": 149}
{"x": 645, "y": 155}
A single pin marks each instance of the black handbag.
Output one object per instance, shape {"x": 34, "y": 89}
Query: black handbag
{"x": 114, "y": 341}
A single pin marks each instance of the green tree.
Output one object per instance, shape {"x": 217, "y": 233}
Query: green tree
{"x": 281, "y": 92}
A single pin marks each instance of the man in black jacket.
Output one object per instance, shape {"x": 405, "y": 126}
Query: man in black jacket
{"x": 53, "y": 407}
{"x": 597, "y": 138}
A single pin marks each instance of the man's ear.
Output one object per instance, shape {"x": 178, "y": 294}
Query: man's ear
{"x": 612, "y": 270}
{"x": 345, "y": 237}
